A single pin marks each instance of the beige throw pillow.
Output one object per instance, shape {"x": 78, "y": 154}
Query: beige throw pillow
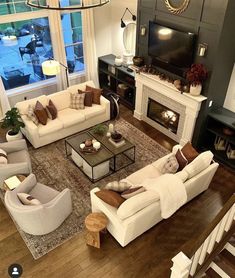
{"x": 118, "y": 186}
{"x": 171, "y": 166}
{"x": 27, "y": 199}
{"x": 31, "y": 115}
{"x": 77, "y": 101}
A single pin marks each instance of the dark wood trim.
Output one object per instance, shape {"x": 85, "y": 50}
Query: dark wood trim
{"x": 194, "y": 247}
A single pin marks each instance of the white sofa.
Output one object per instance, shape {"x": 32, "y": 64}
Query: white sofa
{"x": 126, "y": 230}
{"x": 68, "y": 122}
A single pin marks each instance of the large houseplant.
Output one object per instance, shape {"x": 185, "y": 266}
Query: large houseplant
{"x": 13, "y": 122}
{"x": 196, "y": 75}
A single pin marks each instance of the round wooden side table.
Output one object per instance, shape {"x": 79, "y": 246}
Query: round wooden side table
{"x": 95, "y": 222}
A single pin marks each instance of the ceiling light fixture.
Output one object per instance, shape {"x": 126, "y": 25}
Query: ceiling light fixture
{"x": 82, "y": 5}
{"x": 123, "y": 24}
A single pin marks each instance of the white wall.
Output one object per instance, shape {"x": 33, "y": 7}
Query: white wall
{"x": 230, "y": 97}
{"x": 109, "y": 34}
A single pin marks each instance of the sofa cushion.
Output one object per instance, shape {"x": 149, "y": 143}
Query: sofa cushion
{"x": 91, "y": 112}
{"x": 200, "y": 163}
{"x": 40, "y": 113}
{"x": 18, "y": 157}
{"x": 139, "y": 176}
{"x": 136, "y": 203}
{"x": 52, "y": 126}
{"x": 110, "y": 197}
{"x": 61, "y": 99}
{"x": 132, "y": 192}
{"x": 24, "y": 105}
{"x": 70, "y": 117}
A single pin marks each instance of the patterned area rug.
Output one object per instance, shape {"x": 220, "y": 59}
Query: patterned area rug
{"x": 52, "y": 168}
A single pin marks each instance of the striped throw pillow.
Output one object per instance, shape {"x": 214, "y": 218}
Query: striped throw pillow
{"x": 118, "y": 186}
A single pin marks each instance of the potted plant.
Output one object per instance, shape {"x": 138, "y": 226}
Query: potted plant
{"x": 14, "y": 123}
{"x": 196, "y": 75}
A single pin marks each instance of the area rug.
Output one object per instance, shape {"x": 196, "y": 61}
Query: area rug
{"x": 52, "y": 168}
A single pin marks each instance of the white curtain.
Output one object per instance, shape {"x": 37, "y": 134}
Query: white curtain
{"x": 4, "y": 102}
{"x": 90, "y": 56}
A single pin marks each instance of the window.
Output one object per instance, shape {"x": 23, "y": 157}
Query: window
{"x": 72, "y": 33}
{"x": 14, "y": 6}
{"x": 21, "y": 58}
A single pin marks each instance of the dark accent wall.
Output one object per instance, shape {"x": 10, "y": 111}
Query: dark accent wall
{"x": 213, "y": 21}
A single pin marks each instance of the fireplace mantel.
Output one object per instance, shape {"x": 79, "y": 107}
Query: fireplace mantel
{"x": 167, "y": 90}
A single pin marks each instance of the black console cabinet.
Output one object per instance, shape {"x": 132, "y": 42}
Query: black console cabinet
{"x": 111, "y": 77}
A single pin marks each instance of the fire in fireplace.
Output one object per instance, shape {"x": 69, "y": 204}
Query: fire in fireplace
{"x": 163, "y": 115}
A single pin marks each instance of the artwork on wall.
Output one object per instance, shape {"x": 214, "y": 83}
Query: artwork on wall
{"x": 177, "y": 9}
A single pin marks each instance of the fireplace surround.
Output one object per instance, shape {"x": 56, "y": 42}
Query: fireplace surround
{"x": 177, "y": 113}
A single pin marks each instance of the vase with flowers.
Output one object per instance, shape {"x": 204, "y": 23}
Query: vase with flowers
{"x": 196, "y": 75}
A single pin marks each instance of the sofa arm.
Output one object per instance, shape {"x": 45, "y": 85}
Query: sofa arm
{"x": 29, "y": 125}
{"x": 10, "y": 170}
{"x": 14, "y": 146}
{"x": 27, "y": 185}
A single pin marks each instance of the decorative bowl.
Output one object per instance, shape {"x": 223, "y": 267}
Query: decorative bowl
{"x": 116, "y": 137}
{"x": 138, "y": 61}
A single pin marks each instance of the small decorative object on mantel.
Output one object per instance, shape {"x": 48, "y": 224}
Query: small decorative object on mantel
{"x": 196, "y": 75}
{"x": 177, "y": 9}
{"x": 138, "y": 61}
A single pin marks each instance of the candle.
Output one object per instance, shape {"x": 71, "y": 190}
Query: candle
{"x": 111, "y": 128}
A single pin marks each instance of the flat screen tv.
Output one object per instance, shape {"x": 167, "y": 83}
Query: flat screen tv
{"x": 170, "y": 45}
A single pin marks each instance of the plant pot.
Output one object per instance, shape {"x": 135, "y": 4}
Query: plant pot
{"x": 17, "y": 136}
{"x": 195, "y": 90}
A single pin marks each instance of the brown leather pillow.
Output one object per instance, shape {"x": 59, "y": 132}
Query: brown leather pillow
{"x": 110, "y": 197}
{"x": 189, "y": 152}
{"x": 51, "y": 110}
{"x": 96, "y": 94}
{"x": 40, "y": 113}
{"x": 88, "y": 97}
{"x": 181, "y": 160}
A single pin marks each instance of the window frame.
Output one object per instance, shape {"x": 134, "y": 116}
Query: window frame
{"x": 58, "y": 55}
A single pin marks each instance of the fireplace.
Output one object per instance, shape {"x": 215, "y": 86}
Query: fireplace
{"x": 163, "y": 115}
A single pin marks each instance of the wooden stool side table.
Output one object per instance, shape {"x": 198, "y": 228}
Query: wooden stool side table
{"x": 95, "y": 223}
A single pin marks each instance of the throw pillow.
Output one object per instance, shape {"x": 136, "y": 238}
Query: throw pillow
{"x": 181, "y": 160}
{"x": 171, "y": 166}
{"x": 88, "y": 97}
{"x": 27, "y": 199}
{"x": 132, "y": 192}
{"x": 200, "y": 163}
{"x": 40, "y": 113}
{"x": 96, "y": 94}
{"x": 31, "y": 115}
{"x": 77, "y": 101}
{"x": 117, "y": 186}
{"x": 110, "y": 197}
{"x": 3, "y": 157}
{"x": 189, "y": 152}
{"x": 51, "y": 110}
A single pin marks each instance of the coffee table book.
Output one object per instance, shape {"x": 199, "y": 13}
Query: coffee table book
{"x": 117, "y": 144}
{"x": 12, "y": 182}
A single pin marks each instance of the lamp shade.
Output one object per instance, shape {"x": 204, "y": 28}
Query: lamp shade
{"x": 51, "y": 67}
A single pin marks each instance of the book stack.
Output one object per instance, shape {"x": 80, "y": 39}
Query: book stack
{"x": 12, "y": 183}
{"x": 117, "y": 144}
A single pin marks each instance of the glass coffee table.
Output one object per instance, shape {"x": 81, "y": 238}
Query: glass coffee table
{"x": 106, "y": 161}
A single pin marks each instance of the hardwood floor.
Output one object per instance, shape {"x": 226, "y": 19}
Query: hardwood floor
{"x": 147, "y": 256}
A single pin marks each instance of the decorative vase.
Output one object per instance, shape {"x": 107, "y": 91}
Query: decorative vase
{"x": 118, "y": 61}
{"x": 9, "y": 137}
{"x": 195, "y": 90}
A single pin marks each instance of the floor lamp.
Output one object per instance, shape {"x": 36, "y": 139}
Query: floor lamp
{"x": 52, "y": 67}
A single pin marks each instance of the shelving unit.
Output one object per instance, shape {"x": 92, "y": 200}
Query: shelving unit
{"x": 110, "y": 76}
{"x": 217, "y": 120}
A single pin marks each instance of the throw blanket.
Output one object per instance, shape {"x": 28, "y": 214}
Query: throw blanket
{"x": 171, "y": 191}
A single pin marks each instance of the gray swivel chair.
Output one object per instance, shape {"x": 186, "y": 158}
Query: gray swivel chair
{"x": 18, "y": 159}
{"x": 40, "y": 219}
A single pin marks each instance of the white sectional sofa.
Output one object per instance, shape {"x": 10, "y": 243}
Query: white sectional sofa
{"x": 68, "y": 122}
{"x": 126, "y": 230}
